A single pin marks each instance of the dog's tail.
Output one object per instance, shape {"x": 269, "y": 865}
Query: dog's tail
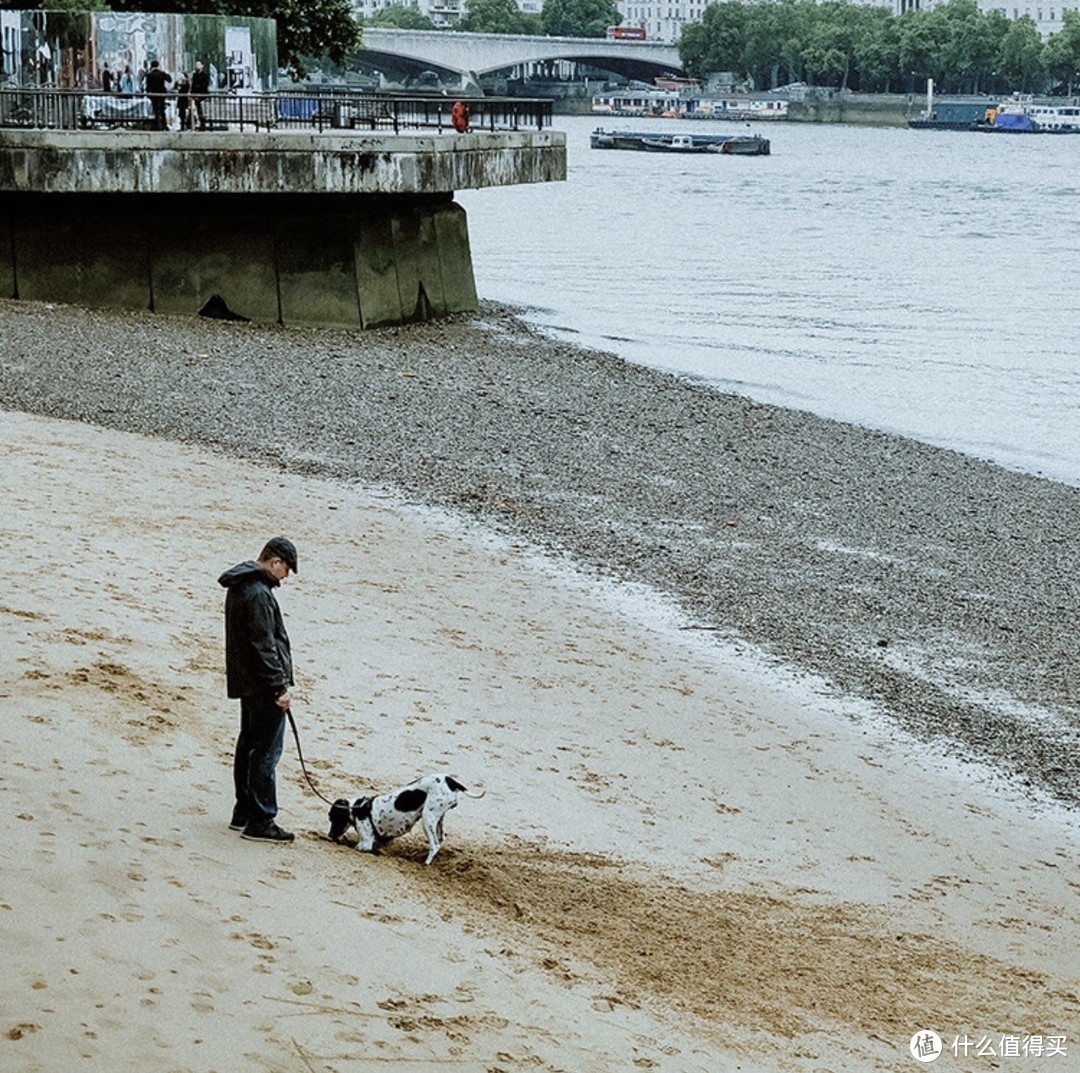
{"x": 453, "y": 784}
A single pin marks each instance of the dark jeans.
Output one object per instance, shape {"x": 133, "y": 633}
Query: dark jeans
{"x": 258, "y": 749}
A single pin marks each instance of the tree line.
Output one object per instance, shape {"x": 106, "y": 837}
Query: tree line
{"x": 835, "y": 44}
{"x": 852, "y": 46}
{"x": 769, "y": 43}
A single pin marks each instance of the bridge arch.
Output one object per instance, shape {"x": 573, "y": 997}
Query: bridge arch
{"x": 480, "y": 54}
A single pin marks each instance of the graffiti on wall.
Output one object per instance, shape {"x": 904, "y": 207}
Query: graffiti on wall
{"x": 111, "y": 51}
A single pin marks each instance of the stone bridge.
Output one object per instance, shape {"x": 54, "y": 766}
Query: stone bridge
{"x": 478, "y": 54}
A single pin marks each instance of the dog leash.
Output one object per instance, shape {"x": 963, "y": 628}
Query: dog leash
{"x": 300, "y": 753}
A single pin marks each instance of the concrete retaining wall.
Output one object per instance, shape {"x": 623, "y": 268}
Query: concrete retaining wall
{"x": 353, "y": 230}
{"x": 865, "y": 109}
{"x": 294, "y": 259}
{"x": 108, "y": 162}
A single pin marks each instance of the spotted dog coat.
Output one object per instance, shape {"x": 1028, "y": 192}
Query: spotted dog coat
{"x": 379, "y": 819}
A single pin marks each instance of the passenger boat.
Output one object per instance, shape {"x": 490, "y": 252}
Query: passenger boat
{"x": 726, "y": 144}
{"x": 1021, "y": 115}
{"x": 670, "y": 101}
{"x": 640, "y": 103}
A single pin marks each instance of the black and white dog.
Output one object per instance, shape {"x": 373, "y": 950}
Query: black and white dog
{"x": 379, "y": 819}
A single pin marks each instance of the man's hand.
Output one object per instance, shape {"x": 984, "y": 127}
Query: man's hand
{"x": 284, "y": 700}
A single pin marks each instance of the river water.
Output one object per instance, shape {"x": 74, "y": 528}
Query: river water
{"x": 923, "y": 283}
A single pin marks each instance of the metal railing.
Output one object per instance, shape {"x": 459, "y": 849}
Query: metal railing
{"x": 322, "y": 110}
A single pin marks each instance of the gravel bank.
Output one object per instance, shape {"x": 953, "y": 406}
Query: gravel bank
{"x": 941, "y": 587}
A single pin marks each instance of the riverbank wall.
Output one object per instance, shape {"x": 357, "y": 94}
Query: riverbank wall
{"x": 821, "y": 106}
{"x": 331, "y": 229}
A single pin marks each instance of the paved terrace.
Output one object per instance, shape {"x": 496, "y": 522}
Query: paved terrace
{"x": 340, "y": 226}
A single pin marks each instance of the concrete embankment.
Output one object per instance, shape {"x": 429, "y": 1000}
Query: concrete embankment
{"x": 863, "y": 109}
{"x": 827, "y": 106}
{"x": 329, "y": 229}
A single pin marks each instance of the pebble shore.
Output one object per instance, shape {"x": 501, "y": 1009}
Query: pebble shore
{"x": 940, "y": 587}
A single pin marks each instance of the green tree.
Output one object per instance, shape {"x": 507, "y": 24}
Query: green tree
{"x": 715, "y": 43}
{"x": 400, "y": 17}
{"x": 793, "y": 28}
{"x": 830, "y": 47}
{"x": 304, "y": 27}
{"x": 497, "y": 17}
{"x": 967, "y": 49}
{"x": 877, "y": 50}
{"x": 68, "y": 5}
{"x": 920, "y": 51}
{"x": 578, "y": 18}
{"x": 1061, "y": 53}
{"x": 1020, "y": 57}
{"x": 853, "y": 45}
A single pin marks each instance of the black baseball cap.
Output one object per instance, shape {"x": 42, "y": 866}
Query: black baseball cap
{"x": 281, "y": 548}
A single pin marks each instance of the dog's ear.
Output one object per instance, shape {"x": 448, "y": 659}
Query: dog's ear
{"x": 340, "y": 818}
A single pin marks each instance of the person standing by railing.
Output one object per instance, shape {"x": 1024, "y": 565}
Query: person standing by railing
{"x": 183, "y": 100}
{"x": 200, "y": 87}
{"x": 460, "y": 117}
{"x": 127, "y": 83}
{"x": 156, "y": 81}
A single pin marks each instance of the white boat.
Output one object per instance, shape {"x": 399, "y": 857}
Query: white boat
{"x": 661, "y": 104}
{"x": 1056, "y": 119}
{"x": 755, "y": 108}
{"x": 669, "y": 104}
{"x": 1022, "y": 115}
{"x": 678, "y": 143}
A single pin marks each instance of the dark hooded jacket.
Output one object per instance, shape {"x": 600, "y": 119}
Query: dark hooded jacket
{"x": 258, "y": 658}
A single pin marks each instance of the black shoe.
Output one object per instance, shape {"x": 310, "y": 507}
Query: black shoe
{"x": 238, "y": 821}
{"x": 268, "y": 833}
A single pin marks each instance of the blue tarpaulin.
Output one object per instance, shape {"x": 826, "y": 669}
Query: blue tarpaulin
{"x": 1014, "y": 121}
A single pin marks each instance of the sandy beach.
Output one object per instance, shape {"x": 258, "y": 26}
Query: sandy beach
{"x": 675, "y": 864}
{"x": 690, "y": 856}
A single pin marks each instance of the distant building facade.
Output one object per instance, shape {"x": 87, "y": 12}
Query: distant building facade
{"x": 443, "y": 13}
{"x": 664, "y": 20}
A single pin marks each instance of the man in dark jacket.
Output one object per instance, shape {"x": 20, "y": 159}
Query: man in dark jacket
{"x": 258, "y": 671}
{"x": 200, "y": 87}
{"x": 156, "y": 81}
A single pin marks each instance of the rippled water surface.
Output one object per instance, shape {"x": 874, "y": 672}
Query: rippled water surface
{"x": 919, "y": 282}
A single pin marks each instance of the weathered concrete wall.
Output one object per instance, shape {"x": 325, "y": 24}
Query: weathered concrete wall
{"x": 354, "y": 230}
{"x": 864, "y": 109}
{"x": 111, "y": 162}
{"x": 297, "y": 259}
{"x": 7, "y": 260}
